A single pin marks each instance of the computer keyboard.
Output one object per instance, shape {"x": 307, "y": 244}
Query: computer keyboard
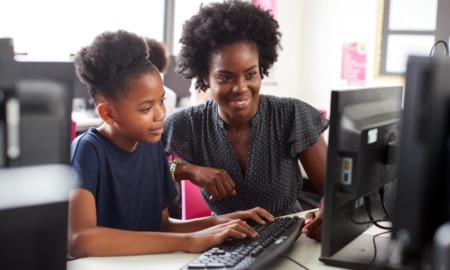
{"x": 251, "y": 253}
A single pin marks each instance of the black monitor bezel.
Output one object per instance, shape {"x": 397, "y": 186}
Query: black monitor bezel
{"x": 422, "y": 203}
{"x": 338, "y": 229}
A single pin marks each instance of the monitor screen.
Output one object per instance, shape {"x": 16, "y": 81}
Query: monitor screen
{"x": 361, "y": 171}
{"x": 83, "y": 102}
{"x": 423, "y": 194}
{"x": 35, "y": 110}
{"x": 175, "y": 81}
{"x": 33, "y": 217}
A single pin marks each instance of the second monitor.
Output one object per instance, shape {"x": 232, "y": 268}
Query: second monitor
{"x": 361, "y": 170}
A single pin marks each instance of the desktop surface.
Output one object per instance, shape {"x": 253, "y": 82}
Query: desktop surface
{"x": 305, "y": 251}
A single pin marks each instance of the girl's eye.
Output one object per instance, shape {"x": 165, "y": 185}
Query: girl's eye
{"x": 147, "y": 109}
{"x": 162, "y": 100}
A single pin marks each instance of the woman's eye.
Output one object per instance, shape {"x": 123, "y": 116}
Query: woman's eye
{"x": 224, "y": 78}
{"x": 162, "y": 100}
{"x": 251, "y": 75}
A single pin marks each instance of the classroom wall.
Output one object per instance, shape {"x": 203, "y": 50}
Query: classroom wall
{"x": 314, "y": 32}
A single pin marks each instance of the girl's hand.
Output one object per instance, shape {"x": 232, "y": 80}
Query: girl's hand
{"x": 257, "y": 214}
{"x": 202, "y": 240}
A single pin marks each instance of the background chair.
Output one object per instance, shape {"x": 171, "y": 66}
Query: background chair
{"x": 192, "y": 203}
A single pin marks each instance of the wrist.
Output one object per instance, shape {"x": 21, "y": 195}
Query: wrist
{"x": 216, "y": 220}
{"x": 184, "y": 171}
{"x": 185, "y": 242}
{"x": 174, "y": 165}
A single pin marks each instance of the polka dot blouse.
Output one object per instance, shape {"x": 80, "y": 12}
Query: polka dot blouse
{"x": 281, "y": 129}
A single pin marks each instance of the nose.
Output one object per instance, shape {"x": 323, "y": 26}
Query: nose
{"x": 241, "y": 86}
{"x": 160, "y": 112}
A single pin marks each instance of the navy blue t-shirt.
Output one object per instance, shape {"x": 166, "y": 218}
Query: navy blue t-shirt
{"x": 130, "y": 189}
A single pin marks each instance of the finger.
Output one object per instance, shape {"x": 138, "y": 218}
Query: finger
{"x": 259, "y": 215}
{"x": 212, "y": 198}
{"x": 227, "y": 233}
{"x": 228, "y": 183}
{"x": 215, "y": 198}
{"x": 315, "y": 234}
{"x": 221, "y": 190}
{"x": 309, "y": 217}
{"x": 242, "y": 227}
{"x": 246, "y": 228}
{"x": 225, "y": 185}
{"x": 257, "y": 218}
{"x": 305, "y": 229}
{"x": 314, "y": 228}
{"x": 213, "y": 192}
{"x": 313, "y": 224}
{"x": 239, "y": 233}
{"x": 263, "y": 213}
{"x": 309, "y": 222}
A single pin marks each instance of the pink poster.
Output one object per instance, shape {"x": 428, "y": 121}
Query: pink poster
{"x": 354, "y": 58}
{"x": 268, "y": 4}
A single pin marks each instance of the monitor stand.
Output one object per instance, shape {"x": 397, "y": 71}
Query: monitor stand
{"x": 359, "y": 253}
{"x": 441, "y": 247}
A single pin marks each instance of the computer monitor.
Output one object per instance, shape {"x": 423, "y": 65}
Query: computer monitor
{"x": 175, "y": 81}
{"x": 35, "y": 110}
{"x": 423, "y": 195}
{"x": 83, "y": 102}
{"x": 33, "y": 217}
{"x": 361, "y": 171}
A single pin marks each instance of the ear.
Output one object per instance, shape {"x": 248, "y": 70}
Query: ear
{"x": 105, "y": 112}
{"x": 206, "y": 81}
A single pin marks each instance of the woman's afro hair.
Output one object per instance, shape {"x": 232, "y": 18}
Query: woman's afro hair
{"x": 108, "y": 64}
{"x": 222, "y": 23}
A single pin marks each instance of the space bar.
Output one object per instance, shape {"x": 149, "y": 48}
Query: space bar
{"x": 206, "y": 265}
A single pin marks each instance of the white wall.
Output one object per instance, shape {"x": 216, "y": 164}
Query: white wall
{"x": 314, "y": 32}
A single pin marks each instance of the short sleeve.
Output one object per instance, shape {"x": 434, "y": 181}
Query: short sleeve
{"x": 85, "y": 164}
{"x": 308, "y": 124}
{"x": 178, "y": 135}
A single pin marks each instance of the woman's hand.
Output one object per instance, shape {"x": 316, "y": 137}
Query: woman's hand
{"x": 216, "y": 181}
{"x": 207, "y": 238}
{"x": 313, "y": 223}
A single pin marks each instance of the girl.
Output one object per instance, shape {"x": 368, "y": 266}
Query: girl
{"x": 123, "y": 184}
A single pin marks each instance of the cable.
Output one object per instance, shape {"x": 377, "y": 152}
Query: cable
{"x": 294, "y": 261}
{"x": 375, "y": 246}
{"x": 364, "y": 222}
{"x": 371, "y": 221}
{"x": 368, "y": 205}
{"x": 435, "y": 44}
{"x": 383, "y": 203}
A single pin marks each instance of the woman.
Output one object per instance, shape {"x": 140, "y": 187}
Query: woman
{"x": 242, "y": 148}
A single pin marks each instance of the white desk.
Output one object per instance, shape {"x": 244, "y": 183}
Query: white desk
{"x": 305, "y": 251}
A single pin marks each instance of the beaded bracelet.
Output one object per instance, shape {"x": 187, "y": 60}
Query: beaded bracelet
{"x": 173, "y": 167}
